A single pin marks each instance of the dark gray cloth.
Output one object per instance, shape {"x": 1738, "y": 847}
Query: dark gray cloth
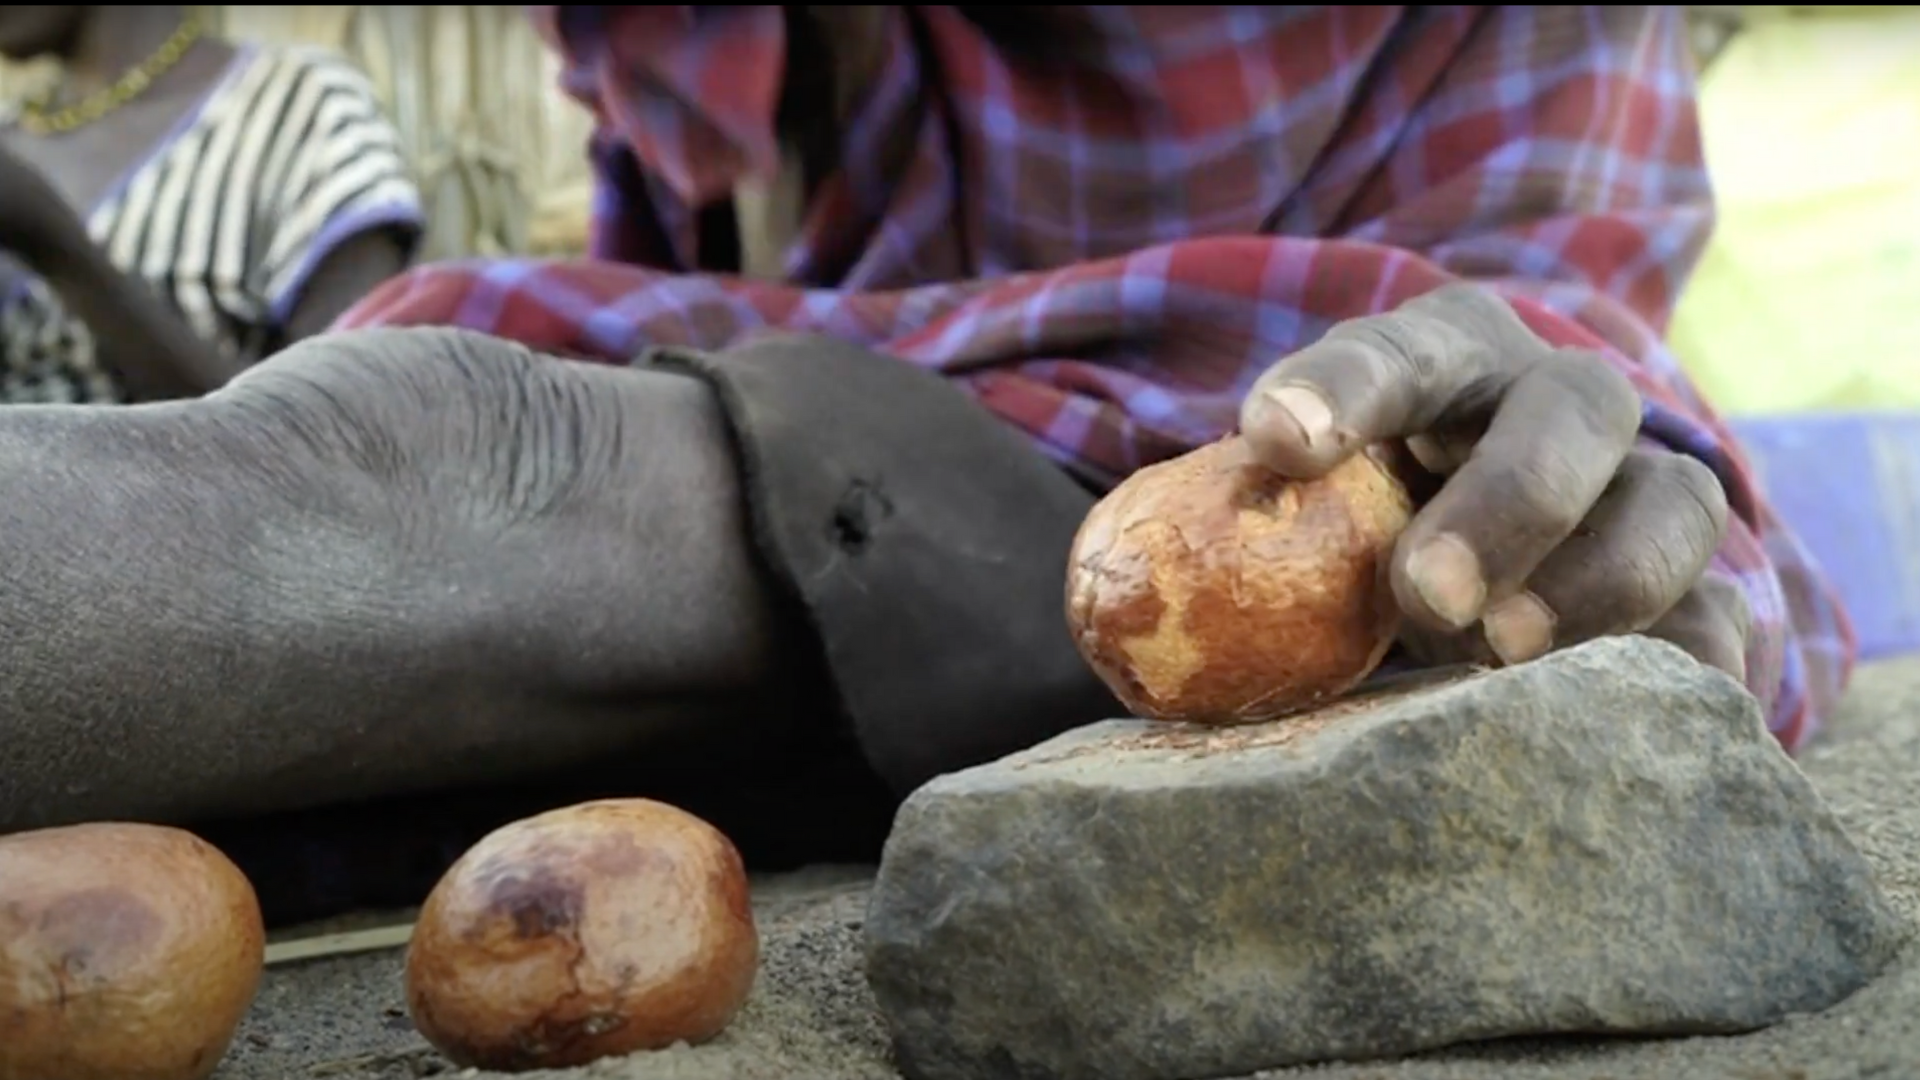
{"x": 925, "y": 540}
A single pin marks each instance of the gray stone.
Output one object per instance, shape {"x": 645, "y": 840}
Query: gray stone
{"x": 1603, "y": 841}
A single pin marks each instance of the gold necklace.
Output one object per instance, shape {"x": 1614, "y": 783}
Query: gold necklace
{"x": 37, "y": 116}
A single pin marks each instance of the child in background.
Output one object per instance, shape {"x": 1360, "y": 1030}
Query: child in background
{"x": 177, "y": 207}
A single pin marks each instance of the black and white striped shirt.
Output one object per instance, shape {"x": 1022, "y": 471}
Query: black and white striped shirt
{"x": 288, "y": 156}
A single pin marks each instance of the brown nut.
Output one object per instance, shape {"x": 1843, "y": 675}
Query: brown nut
{"x": 1208, "y": 589}
{"x": 587, "y": 932}
{"x": 127, "y": 952}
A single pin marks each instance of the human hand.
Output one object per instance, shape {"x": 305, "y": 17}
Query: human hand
{"x": 1549, "y": 526}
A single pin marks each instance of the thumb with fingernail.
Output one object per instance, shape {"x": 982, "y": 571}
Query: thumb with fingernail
{"x": 1291, "y": 428}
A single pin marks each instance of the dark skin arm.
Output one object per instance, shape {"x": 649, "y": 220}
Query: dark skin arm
{"x": 152, "y": 348}
{"x": 385, "y": 561}
{"x": 349, "y": 273}
{"x": 149, "y": 346}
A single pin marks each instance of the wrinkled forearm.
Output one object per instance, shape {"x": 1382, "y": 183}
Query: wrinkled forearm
{"x": 309, "y": 588}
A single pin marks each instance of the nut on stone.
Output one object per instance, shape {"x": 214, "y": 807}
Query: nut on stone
{"x": 1208, "y": 589}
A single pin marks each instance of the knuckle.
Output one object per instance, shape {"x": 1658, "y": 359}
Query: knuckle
{"x": 1631, "y": 588}
{"x": 1696, "y": 492}
{"x": 1540, "y": 493}
{"x": 1722, "y": 595}
{"x": 1644, "y": 590}
{"x": 1662, "y": 559}
{"x": 1712, "y": 621}
{"x": 1474, "y": 308}
{"x": 1396, "y": 345}
{"x": 1600, "y": 391}
{"x": 1462, "y": 299}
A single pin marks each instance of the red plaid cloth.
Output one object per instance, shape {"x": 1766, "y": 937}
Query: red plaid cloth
{"x": 1107, "y": 243}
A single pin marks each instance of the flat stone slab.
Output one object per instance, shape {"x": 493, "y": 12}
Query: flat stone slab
{"x": 1603, "y": 841}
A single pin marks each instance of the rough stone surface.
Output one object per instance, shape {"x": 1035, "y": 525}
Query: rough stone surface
{"x": 812, "y": 1017}
{"x": 1605, "y": 841}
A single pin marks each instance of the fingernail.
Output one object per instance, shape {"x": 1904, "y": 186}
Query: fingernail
{"x": 1520, "y": 628}
{"x": 1446, "y": 574}
{"x": 1430, "y": 454}
{"x": 1308, "y": 411}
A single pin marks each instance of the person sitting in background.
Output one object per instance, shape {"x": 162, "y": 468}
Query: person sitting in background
{"x": 1014, "y": 255}
{"x": 177, "y": 207}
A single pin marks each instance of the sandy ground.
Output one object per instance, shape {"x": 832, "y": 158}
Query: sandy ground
{"x": 811, "y": 1017}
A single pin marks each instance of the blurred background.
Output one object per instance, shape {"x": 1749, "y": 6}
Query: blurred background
{"x": 500, "y": 155}
{"x": 1802, "y": 323}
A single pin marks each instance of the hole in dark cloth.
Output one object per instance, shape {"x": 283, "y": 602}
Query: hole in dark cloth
{"x": 861, "y": 508}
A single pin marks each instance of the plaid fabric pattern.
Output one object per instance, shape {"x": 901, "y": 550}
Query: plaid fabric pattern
{"x": 1106, "y": 240}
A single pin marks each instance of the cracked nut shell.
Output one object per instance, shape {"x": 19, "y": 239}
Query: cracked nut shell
{"x": 127, "y": 952}
{"x": 587, "y": 932}
{"x": 1208, "y": 589}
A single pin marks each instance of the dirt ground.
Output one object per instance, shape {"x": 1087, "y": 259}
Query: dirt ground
{"x": 812, "y": 1018}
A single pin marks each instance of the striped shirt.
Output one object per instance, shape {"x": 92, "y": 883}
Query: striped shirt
{"x": 226, "y": 218}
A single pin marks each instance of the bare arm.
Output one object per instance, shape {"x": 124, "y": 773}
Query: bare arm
{"x": 354, "y": 269}
{"x": 154, "y": 350}
{"x": 140, "y": 339}
{"x": 381, "y": 562}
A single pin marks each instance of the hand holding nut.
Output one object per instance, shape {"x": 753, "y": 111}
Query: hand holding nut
{"x": 1271, "y": 571}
